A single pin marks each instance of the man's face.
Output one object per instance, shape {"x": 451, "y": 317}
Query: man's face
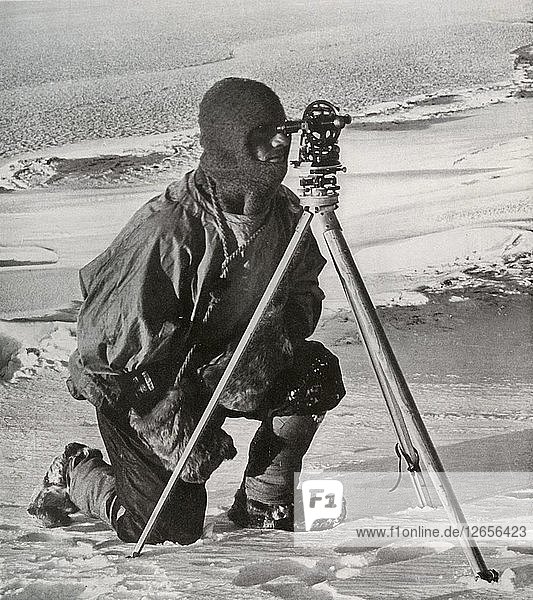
{"x": 267, "y": 145}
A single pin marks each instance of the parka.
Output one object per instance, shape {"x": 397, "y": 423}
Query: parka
{"x": 157, "y": 278}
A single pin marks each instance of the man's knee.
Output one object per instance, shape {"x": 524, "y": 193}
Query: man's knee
{"x": 181, "y": 521}
{"x": 140, "y": 481}
{"x": 129, "y": 531}
{"x": 296, "y": 430}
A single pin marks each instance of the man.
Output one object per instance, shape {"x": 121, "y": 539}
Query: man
{"x": 164, "y": 308}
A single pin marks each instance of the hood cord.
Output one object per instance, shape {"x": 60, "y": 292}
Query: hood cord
{"x": 229, "y": 258}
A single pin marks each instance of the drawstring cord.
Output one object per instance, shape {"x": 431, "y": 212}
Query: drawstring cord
{"x": 229, "y": 258}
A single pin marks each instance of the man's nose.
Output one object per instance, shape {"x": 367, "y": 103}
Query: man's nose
{"x": 280, "y": 139}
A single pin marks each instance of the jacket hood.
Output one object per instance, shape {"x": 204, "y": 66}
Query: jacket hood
{"x": 229, "y": 112}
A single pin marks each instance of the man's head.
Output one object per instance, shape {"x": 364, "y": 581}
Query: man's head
{"x": 243, "y": 153}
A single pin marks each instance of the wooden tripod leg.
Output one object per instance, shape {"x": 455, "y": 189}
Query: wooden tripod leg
{"x": 394, "y": 386}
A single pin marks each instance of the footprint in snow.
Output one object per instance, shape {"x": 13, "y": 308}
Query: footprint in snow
{"x": 367, "y": 555}
{"x": 394, "y": 554}
{"x": 263, "y": 572}
{"x": 37, "y": 536}
{"x": 44, "y": 589}
{"x": 291, "y": 579}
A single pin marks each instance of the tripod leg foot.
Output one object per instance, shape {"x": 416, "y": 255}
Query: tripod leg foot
{"x": 490, "y": 575}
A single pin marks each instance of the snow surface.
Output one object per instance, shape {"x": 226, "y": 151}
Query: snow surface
{"x": 14, "y": 256}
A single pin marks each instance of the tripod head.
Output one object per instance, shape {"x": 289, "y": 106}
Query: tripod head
{"x": 320, "y": 128}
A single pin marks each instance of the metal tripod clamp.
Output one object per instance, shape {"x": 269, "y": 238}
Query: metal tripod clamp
{"x": 319, "y": 191}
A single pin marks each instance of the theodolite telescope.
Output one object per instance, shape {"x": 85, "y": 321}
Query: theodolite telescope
{"x": 320, "y": 127}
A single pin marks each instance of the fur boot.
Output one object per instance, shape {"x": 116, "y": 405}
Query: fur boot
{"x": 50, "y": 502}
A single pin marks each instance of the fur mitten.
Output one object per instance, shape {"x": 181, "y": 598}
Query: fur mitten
{"x": 268, "y": 353}
{"x": 167, "y": 428}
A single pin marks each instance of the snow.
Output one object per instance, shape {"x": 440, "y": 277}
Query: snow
{"x": 12, "y": 256}
{"x": 425, "y": 107}
{"x": 27, "y": 348}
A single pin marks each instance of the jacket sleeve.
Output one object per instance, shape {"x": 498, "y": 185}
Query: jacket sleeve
{"x": 137, "y": 294}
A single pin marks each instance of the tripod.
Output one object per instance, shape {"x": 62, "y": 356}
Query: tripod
{"x": 320, "y": 128}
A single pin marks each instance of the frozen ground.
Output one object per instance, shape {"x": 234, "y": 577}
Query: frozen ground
{"x": 476, "y": 406}
{"x": 78, "y": 70}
